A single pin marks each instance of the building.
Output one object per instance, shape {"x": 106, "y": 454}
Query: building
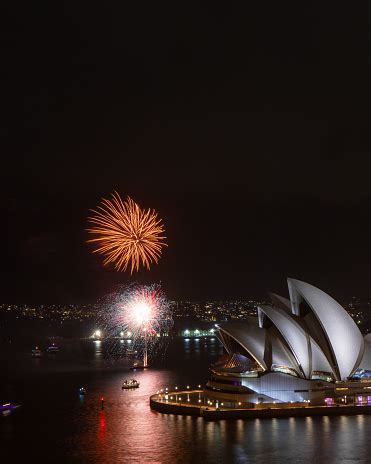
{"x": 306, "y": 348}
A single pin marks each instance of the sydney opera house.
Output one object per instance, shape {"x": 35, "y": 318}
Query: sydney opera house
{"x": 305, "y": 348}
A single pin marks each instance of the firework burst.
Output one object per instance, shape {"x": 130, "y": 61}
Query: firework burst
{"x": 125, "y": 234}
{"x": 141, "y": 314}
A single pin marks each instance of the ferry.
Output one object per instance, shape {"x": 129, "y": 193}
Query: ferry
{"x": 131, "y": 383}
{"x": 36, "y": 352}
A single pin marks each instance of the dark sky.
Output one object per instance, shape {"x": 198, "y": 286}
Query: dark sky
{"x": 247, "y": 129}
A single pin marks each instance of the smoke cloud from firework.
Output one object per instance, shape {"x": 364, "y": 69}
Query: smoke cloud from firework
{"x": 140, "y": 313}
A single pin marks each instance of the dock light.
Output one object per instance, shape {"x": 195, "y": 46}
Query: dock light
{"x": 199, "y": 386}
{"x": 102, "y": 402}
{"x": 188, "y": 399}
{"x": 161, "y": 390}
{"x": 188, "y": 386}
{"x": 97, "y": 333}
{"x": 121, "y": 333}
{"x": 171, "y": 397}
{"x": 176, "y": 388}
{"x": 221, "y": 404}
{"x": 199, "y": 401}
{"x": 186, "y": 332}
{"x": 239, "y": 403}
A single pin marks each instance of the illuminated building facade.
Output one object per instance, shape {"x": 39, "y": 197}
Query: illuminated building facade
{"x": 306, "y": 348}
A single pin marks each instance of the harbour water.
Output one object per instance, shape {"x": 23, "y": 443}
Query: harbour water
{"x": 55, "y": 424}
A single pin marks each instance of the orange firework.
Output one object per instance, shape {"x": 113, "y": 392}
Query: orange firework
{"x": 125, "y": 234}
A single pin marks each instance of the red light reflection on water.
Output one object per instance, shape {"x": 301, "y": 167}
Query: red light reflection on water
{"x": 102, "y": 425}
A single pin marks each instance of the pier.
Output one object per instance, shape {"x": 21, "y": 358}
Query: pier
{"x": 195, "y": 403}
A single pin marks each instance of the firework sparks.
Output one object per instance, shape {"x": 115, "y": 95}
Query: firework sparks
{"x": 143, "y": 310}
{"x": 125, "y": 234}
{"x": 141, "y": 313}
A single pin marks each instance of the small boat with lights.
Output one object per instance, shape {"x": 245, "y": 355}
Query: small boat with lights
{"x": 36, "y": 352}
{"x": 131, "y": 352}
{"x": 52, "y": 349}
{"x": 9, "y": 406}
{"x": 138, "y": 365}
{"x": 129, "y": 384}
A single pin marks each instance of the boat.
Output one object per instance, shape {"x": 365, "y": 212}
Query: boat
{"x": 52, "y": 349}
{"x": 9, "y": 406}
{"x": 36, "y": 352}
{"x": 131, "y": 352}
{"x": 131, "y": 383}
{"x": 82, "y": 391}
{"x": 138, "y": 365}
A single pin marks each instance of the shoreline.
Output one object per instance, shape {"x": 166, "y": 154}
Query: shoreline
{"x": 214, "y": 414}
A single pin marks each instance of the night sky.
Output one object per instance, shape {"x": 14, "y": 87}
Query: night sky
{"x": 248, "y": 130}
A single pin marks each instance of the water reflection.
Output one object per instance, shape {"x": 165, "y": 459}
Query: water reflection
{"x": 102, "y": 425}
{"x": 128, "y": 431}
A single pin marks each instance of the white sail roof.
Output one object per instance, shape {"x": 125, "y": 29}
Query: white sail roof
{"x": 307, "y": 353}
{"x": 249, "y": 336}
{"x": 342, "y": 334}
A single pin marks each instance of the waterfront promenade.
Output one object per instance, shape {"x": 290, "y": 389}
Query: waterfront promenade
{"x": 195, "y": 403}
